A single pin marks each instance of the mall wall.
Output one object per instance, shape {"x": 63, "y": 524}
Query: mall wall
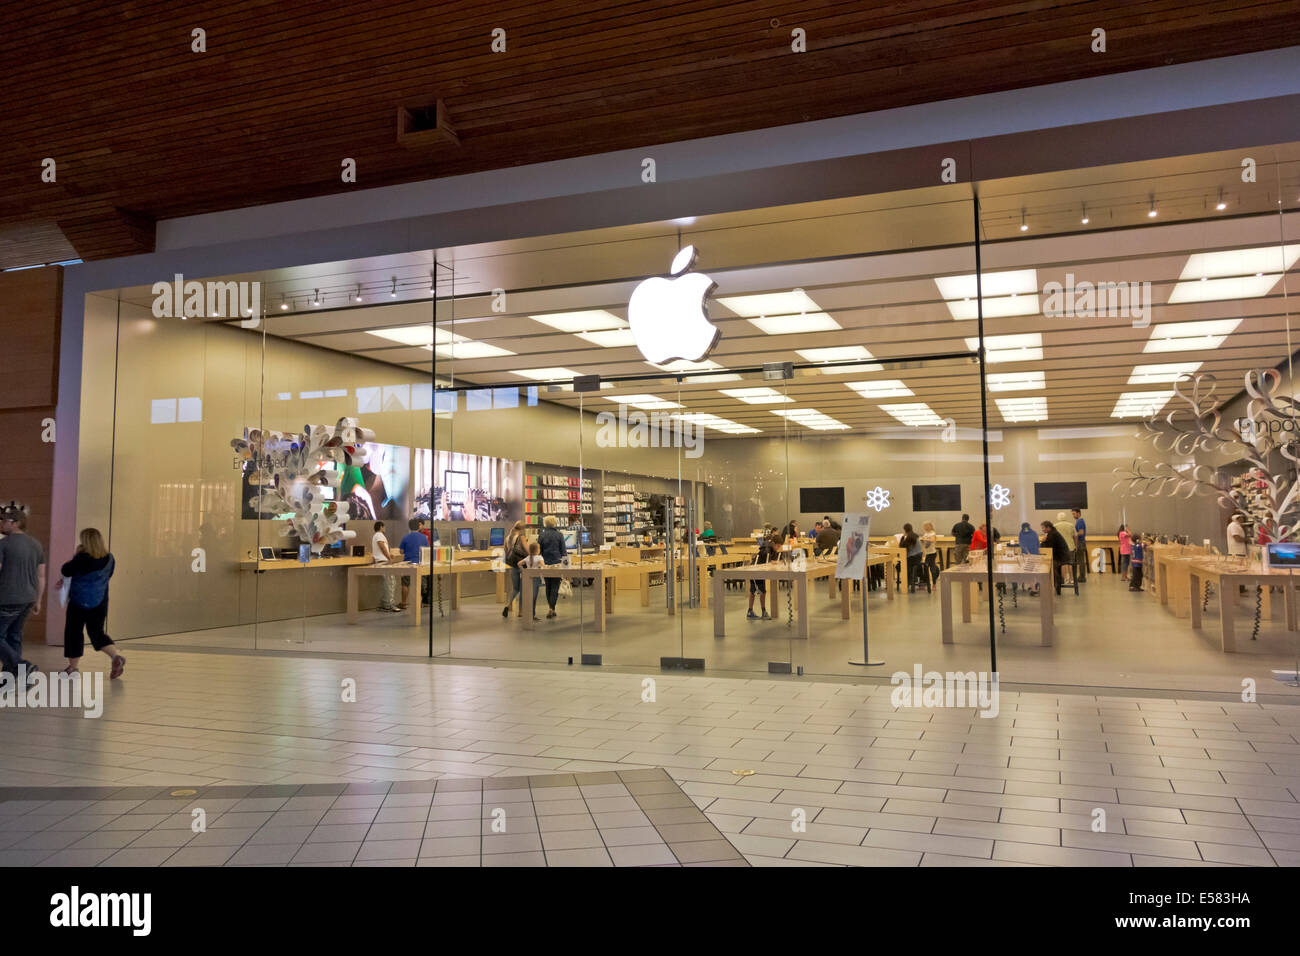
{"x": 158, "y": 474}
{"x": 30, "y": 307}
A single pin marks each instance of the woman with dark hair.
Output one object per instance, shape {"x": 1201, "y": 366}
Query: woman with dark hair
{"x": 912, "y": 544}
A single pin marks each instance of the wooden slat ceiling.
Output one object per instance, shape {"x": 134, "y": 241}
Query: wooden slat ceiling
{"x": 143, "y": 129}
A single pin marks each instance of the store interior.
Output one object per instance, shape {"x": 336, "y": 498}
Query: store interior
{"x": 503, "y": 382}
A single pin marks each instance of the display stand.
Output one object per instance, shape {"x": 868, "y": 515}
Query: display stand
{"x": 866, "y": 650}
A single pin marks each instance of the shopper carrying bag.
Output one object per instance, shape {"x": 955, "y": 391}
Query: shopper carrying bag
{"x": 516, "y": 550}
{"x": 87, "y": 576}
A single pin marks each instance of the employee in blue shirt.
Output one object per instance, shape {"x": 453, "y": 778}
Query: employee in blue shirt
{"x": 411, "y": 545}
{"x": 1081, "y": 547}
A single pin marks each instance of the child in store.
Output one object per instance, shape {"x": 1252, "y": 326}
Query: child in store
{"x": 1138, "y": 544}
{"x": 534, "y": 560}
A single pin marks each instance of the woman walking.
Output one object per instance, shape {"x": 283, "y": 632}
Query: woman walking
{"x": 515, "y": 551}
{"x": 930, "y": 555}
{"x": 88, "y": 573}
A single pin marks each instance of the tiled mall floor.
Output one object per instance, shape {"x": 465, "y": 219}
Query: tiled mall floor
{"x": 1106, "y": 636}
{"x": 1181, "y": 782}
{"x": 604, "y": 818}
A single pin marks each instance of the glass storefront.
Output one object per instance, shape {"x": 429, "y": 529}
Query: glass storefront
{"x": 955, "y": 362}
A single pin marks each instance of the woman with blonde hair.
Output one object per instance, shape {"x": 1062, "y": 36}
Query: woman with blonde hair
{"x": 929, "y": 556}
{"x": 88, "y": 572}
{"x": 516, "y": 550}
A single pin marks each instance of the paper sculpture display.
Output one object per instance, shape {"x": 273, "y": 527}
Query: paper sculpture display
{"x": 292, "y": 469}
{"x": 1270, "y": 488}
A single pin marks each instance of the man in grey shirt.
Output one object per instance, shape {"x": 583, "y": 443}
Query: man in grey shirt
{"x": 22, "y": 584}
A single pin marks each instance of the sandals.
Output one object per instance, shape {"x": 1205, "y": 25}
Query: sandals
{"x": 119, "y": 665}
{"x": 70, "y": 669}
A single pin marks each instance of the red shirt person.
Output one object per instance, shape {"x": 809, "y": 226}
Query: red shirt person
{"x": 978, "y": 541}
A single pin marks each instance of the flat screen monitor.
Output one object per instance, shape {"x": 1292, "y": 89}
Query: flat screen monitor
{"x": 586, "y": 538}
{"x": 1055, "y": 495}
{"x": 497, "y": 538}
{"x": 936, "y": 497}
{"x": 465, "y": 538}
{"x": 1283, "y": 555}
{"x": 821, "y": 500}
{"x": 571, "y": 540}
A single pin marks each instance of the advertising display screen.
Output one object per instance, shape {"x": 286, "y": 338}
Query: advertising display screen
{"x": 454, "y": 487}
{"x": 380, "y": 489}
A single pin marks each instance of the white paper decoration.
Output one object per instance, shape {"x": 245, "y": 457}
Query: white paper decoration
{"x": 290, "y": 470}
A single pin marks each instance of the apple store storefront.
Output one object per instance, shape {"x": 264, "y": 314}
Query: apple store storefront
{"x": 1001, "y": 425}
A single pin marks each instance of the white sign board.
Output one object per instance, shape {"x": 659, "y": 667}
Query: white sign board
{"x": 852, "y": 559}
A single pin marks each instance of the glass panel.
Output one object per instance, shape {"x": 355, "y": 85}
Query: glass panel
{"x": 630, "y": 450}
{"x": 739, "y": 462}
{"x": 1161, "y": 288}
{"x": 157, "y": 470}
{"x": 502, "y": 455}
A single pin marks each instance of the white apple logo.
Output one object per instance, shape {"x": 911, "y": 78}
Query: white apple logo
{"x": 668, "y": 317}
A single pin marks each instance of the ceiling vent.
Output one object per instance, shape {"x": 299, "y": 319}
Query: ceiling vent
{"x": 420, "y": 127}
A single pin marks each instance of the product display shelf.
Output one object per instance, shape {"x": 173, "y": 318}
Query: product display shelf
{"x": 568, "y": 497}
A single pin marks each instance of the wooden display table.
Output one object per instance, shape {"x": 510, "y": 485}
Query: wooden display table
{"x": 704, "y": 563}
{"x": 845, "y": 586}
{"x": 1170, "y": 566}
{"x": 635, "y": 576}
{"x": 1037, "y": 570}
{"x": 1108, "y": 543}
{"x": 1227, "y": 579}
{"x": 638, "y": 553}
{"x": 776, "y": 572}
{"x": 293, "y": 564}
{"x": 606, "y": 586}
{"x": 896, "y": 557}
{"x": 412, "y": 571}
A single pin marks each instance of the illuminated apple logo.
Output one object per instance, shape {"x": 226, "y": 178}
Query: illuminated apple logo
{"x": 667, "y": 316}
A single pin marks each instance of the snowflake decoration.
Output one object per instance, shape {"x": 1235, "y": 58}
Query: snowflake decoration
{"x": 999, "y": 497}
{"x": 878, "y": 498}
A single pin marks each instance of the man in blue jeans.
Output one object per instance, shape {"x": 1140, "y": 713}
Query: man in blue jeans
{"x": 411, "y": 545}
{"x": 22, "y": 584}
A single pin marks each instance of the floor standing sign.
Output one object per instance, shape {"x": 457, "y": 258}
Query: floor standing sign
{"x": 851, "y": 565}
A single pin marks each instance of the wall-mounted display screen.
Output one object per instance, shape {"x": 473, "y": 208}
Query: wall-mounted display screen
{"x": 1053, "y": 495}
{"x": 936, "y": 497}
{"x": 823, "y": 500}
{"x": 455, "y": 487}
{"x": 380, "y": 489}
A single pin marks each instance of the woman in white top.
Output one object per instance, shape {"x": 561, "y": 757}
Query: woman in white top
{"x": 929, "y": 555}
